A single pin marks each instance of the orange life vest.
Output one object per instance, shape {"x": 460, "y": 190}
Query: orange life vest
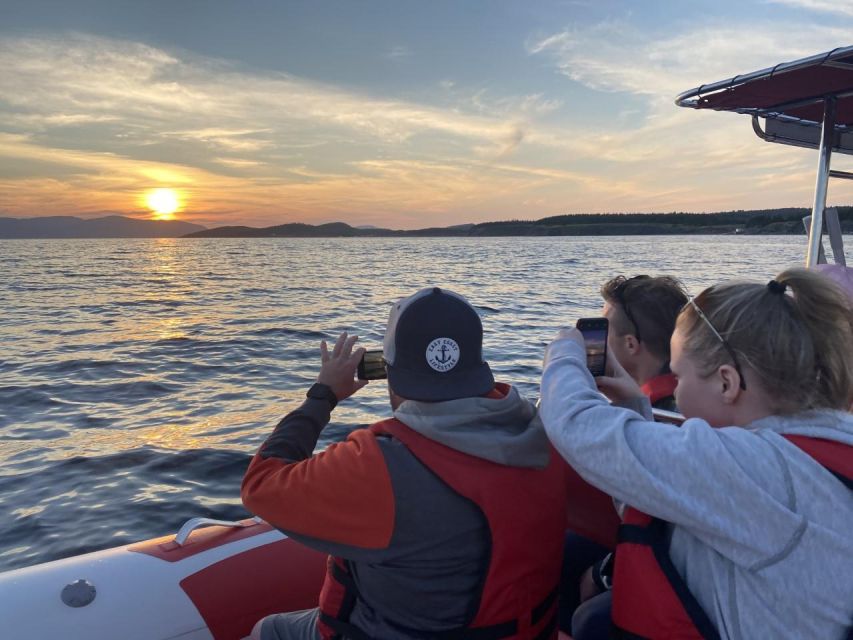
{"x": 526, "y": 514}
{"x": 650, "y": 599}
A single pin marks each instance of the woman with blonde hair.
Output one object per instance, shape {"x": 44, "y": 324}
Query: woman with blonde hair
{"x": 741, "y": 520}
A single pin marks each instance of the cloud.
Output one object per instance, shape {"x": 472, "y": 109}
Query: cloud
{"x": 89, "y": 123}
{"x": 821, "y": 6}
{"x": 149, "y": 90}
{"x": 715, "y": 154}
{"x": 616, "y": 56}
{"x": 399, "y": 53}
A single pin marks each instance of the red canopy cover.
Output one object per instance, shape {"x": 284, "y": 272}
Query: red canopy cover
{"x": 793, "y": 89}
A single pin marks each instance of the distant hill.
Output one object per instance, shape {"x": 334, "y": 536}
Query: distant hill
{"x": 328, "y": 230}
{"x": 106, "y": 227}
{"x": 761, "y": 221}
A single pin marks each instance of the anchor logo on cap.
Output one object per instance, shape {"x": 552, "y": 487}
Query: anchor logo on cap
{"x": 442, "y": 354}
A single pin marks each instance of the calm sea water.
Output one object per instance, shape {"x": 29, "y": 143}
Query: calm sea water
{"x": 137, "y": 377}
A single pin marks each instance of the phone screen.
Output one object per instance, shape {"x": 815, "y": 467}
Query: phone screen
{"x": 372, "y": 366}
{"x": 594, "y": 332}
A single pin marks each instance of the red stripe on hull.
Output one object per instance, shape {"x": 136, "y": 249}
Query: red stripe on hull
{"x": 233, "y": 594}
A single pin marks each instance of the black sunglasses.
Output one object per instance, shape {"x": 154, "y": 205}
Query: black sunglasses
{"x": 722, "y": 340}
{"x": 619, "y": 294}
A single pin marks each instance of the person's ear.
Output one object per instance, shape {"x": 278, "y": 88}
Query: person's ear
{"x": 631, "y": 343}
{"x": 729, "y": 380}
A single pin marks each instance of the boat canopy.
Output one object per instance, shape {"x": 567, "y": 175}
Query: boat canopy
{"x": 791, "y": 96}
{"x": 805, "y": 103}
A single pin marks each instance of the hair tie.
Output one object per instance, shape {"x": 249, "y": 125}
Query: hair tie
{"x": 777, "y": 287}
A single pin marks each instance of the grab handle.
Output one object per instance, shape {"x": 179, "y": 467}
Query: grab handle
{"x": 196, "y": 523}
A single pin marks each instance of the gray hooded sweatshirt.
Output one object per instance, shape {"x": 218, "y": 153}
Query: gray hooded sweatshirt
{"x": 760, "y": 531}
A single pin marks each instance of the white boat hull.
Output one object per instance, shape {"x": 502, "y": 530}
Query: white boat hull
{"x": 212, "y": 588}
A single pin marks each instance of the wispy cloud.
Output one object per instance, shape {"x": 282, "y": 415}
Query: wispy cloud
{"x": 146, "y": 87}
{"x": 825, "y": 6}
{"x": 616, "y": 56}
{"x": 399, "y": 53}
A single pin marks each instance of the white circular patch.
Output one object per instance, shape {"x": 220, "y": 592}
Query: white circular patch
{"x": 442, "y": 354}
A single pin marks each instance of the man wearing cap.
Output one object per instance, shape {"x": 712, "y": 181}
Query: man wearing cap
{"x": 444, "y": 521}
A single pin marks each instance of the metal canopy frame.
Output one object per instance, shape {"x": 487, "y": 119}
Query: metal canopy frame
{"x": 785, "y": 127}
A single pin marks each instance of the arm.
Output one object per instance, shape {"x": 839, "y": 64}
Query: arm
{"x": 341, "y": 496}
{"x": 296, "y": 435}
{"x": 724, "y": 485}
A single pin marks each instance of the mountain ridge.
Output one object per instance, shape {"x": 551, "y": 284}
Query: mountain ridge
{"x": 757, "y": 221}
{"x": 786, "y": 220}
{"x": 110, "y": 226}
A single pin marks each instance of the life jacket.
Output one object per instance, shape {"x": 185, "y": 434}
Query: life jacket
{"x": 526, "y": 513}
{"x": 591, "y": 512}
{"x": 650, "y": 599}
{"x": 661, "y": 387}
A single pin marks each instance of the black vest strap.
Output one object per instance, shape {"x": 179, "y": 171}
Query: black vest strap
{"x": 635, "y": 534}
{"x": 543, "y": 607}
{"x": 344, "y": 577}
{"x": 548, "y": 629}
{"x": 343, "y": 629}
{"x": 618, "y": 633}
{"x": 847, "y": 482}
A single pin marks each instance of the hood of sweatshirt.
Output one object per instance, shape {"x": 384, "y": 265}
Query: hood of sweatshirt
{"x": 502, "y": 427}
{"x": 826, "y": 424}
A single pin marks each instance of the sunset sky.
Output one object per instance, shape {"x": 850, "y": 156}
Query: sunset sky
{"x": 394, "y": 113}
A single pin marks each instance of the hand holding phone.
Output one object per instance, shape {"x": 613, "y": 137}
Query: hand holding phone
{"x": 372, "y": 366}
{"x": 594, "y": 332}
{"x": 338, "y": 366}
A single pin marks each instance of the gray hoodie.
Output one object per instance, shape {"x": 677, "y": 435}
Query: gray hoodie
{"x": 761, "y": 532}
{"x": 504, "y": 430}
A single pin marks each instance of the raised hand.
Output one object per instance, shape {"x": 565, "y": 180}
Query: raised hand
{"x": 339, "y": 366}
{"x": 617, "y": 385}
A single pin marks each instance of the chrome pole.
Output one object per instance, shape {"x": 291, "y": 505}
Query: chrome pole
{"x": 827, "y": 137}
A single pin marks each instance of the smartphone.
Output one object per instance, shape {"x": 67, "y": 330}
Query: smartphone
{"x": 372, "y": 366}
{"x": 594, "y": 332}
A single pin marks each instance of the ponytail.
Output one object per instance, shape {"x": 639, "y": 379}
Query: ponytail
{"x": 796, "y": 334}
{"x": 825, "y": 312}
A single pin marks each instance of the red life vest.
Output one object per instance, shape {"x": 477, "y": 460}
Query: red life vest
{"x": 650, "y": 599}
{"x": 526, "y": 514}
{"x": 591, "y": 513}
{"x": 660, "y": 387}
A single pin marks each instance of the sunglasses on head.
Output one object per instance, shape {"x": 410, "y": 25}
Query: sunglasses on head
{"x": 619, "y": 294}
{"x": 722, "y": 340}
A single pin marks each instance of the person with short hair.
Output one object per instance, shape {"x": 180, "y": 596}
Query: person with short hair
{"x": 642, "y": 312}
{"x": 443, "y": 521}
{"x": 740, "y": 520}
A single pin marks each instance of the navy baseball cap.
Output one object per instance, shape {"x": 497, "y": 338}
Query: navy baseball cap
{"x": 434, "y": 348}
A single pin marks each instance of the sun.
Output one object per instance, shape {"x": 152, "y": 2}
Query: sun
{"x": 163, "y": 202}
